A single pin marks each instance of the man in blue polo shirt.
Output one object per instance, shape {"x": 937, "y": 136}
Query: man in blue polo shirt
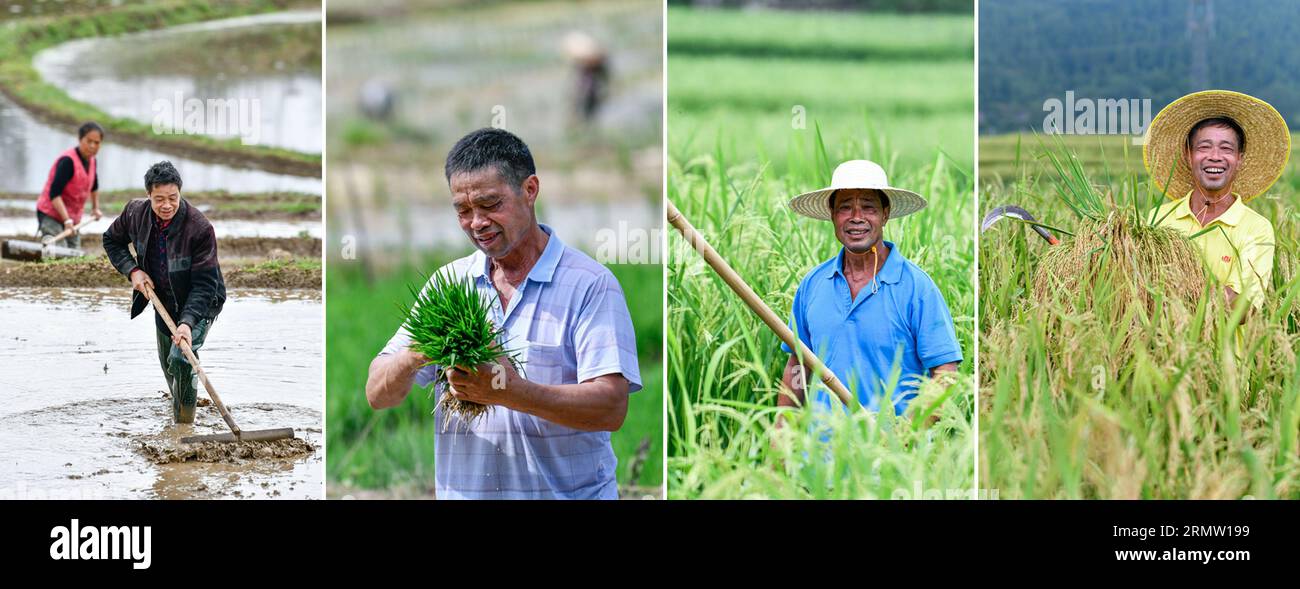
{"x": 876, "y": 319}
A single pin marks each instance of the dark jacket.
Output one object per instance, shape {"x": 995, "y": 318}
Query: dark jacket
{"x": 197, "y": 286}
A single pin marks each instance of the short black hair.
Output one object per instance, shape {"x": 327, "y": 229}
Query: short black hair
{"x": 492, "y": 147}
{"x": 1218, "y": 122}
{"x": 89, "y": 126}
{"x": 161, "y": 173}
{"x": 884, "y": 199}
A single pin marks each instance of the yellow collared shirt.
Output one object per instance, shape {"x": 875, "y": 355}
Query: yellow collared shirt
{"x": 1239, "y": 250}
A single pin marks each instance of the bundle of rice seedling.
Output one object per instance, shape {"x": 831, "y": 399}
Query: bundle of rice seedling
{"x": 449, "y": 324}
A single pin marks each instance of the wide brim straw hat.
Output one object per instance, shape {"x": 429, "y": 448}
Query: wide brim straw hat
{"x": 857, "y": 174}
{"x": 1268, "y": 141}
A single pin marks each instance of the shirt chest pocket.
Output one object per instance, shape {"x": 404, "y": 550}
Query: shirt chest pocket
{"x": 547, "y": 364}
{"x": 178, "y": 264}
{"x": 545, "y": 354}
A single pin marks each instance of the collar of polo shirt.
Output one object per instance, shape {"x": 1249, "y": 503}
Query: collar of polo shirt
{"x": 891, "y": 272}
{"x": 542, "y": 271}
{"x": 1232, "y": 216}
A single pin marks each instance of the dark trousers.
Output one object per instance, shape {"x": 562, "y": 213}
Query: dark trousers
{"x": 181, "y": 379}
{"x": 47, "y": 226}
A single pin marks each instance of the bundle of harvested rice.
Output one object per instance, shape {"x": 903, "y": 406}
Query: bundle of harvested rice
{"x": 1116, "y": 253}
{"x": 449, "y": 324}
{"x": 1135, "y": 259}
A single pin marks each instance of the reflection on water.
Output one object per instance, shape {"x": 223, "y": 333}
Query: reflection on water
{"x": 26, "y": 225}
{"x": 82, "y": 389}
{"x": 31, "y": 147}
{"x": 273, "y": 59}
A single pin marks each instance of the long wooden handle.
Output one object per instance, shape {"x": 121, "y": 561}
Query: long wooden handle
{"x": 194, "y": 361}
{"x": 755, "y": 304}
{"x": 65, "y": 233}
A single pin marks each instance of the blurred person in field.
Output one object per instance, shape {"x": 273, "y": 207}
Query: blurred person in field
{"x": 591, "y": 64}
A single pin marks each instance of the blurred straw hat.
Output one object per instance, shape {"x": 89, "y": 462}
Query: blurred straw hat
{"x": 582, "y": 48}
{"x": 1268, "y": 141}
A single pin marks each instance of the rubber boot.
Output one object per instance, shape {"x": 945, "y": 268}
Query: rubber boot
{"x": 186, "y": 393}
{"x": 180, "y": 375}
{"x": 176, "y": 400}
{"x": 185, "y": 414}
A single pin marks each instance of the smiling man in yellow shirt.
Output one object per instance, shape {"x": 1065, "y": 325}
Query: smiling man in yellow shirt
{"x": 1219, "y": 150}
{"x": 1237, "y": 248}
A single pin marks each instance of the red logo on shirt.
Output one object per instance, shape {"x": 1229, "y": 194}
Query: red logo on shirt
{"x": 1227, "y": 258}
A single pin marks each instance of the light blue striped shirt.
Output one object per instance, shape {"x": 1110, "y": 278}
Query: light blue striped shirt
{"x": 569, "y": 323}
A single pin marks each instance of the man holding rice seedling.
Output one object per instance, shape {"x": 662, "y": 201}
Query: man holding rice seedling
{"x": 176, "y": 256}
{"x": 875, "y": 318}
{"x": 557, "y": 312}
{"x": 1213, "y": 152}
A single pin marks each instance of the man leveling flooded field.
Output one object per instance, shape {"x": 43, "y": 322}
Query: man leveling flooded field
{"x": 160, "y": 442}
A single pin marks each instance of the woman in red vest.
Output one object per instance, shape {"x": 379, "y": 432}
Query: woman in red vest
{"x": 72, "y": 179}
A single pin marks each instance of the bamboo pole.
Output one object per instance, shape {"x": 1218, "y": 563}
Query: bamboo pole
{"x": 755, "y": 304}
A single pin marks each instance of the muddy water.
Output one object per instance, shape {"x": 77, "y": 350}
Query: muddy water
{"x": 26, "y": 225}
{"x": 85, "y": 413}
{"x": 273, "y": 59}
{"x": 30, "y": 147}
